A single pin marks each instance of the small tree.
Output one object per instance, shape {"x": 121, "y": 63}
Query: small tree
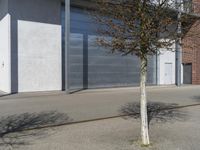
{"x": 141, "y": 28}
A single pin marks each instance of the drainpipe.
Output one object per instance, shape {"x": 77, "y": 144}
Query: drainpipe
{"x": 67, "y": 46}
{"x": 178, "y": 46}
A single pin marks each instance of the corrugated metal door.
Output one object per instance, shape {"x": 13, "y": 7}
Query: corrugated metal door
{"x": 92, "y": 66}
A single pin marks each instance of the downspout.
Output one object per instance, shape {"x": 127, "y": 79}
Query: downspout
{"x": 178, "y": 45}
{"x": 67, "y": 44}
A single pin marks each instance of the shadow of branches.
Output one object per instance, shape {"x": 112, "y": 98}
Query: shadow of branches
{"x": 157, "y": 112}
{"x": 15, "y": 130}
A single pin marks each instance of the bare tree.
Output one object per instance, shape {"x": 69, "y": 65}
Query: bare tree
{"x": 142, "y": 28}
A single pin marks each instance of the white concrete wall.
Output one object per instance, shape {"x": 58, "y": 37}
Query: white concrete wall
{"x": 36, "y": 27}
{"x": 5, "y": 54}
{"x": 39, "y": 56}
{"x": 163, "y": 58}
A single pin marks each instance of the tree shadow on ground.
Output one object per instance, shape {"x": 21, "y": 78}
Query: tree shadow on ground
{"x": 18, "y": 130}
{"x": 157, "y": 112}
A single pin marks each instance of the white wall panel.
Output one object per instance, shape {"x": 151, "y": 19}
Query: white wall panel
{"x": 39, "y": 56}
{"x": 5, "y": 54}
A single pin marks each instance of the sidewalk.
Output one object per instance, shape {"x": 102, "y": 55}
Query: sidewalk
{"x": 171, "y": 129}
{"x": 176, "y": 130}
{"x": 89, "y": 105}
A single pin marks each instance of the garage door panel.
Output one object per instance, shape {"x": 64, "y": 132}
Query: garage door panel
{"x": 95, "y": 63}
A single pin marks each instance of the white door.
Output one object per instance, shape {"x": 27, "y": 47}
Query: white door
{"x": 168, "y": 73}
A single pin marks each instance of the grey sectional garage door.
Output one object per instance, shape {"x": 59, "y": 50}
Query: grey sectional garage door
{"x": 92, "y": 66}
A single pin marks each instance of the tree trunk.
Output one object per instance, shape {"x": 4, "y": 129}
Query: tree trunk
{"x": 143, "y": 103}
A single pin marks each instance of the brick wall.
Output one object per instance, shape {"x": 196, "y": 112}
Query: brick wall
{"x": 191, "y": 47}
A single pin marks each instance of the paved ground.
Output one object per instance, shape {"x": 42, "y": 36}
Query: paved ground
{"x": 171, "y": 129}
{"x": 1, "y": 93}
{"x": 180, "y": 131}
{"x": 93, "y": 104}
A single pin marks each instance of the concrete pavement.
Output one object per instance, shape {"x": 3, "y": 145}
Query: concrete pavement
{"x": 2, "y": 93}
{"x": 171, "y": 129}
{"x": 94, "y": 104}
{"x": 179, "y": 131}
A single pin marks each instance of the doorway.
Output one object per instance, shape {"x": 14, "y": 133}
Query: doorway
{"x": 187, "y": 73}
{"x": 168, "y": 73}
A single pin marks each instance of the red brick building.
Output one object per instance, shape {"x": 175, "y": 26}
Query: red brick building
{"x": 191, "y": 51}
